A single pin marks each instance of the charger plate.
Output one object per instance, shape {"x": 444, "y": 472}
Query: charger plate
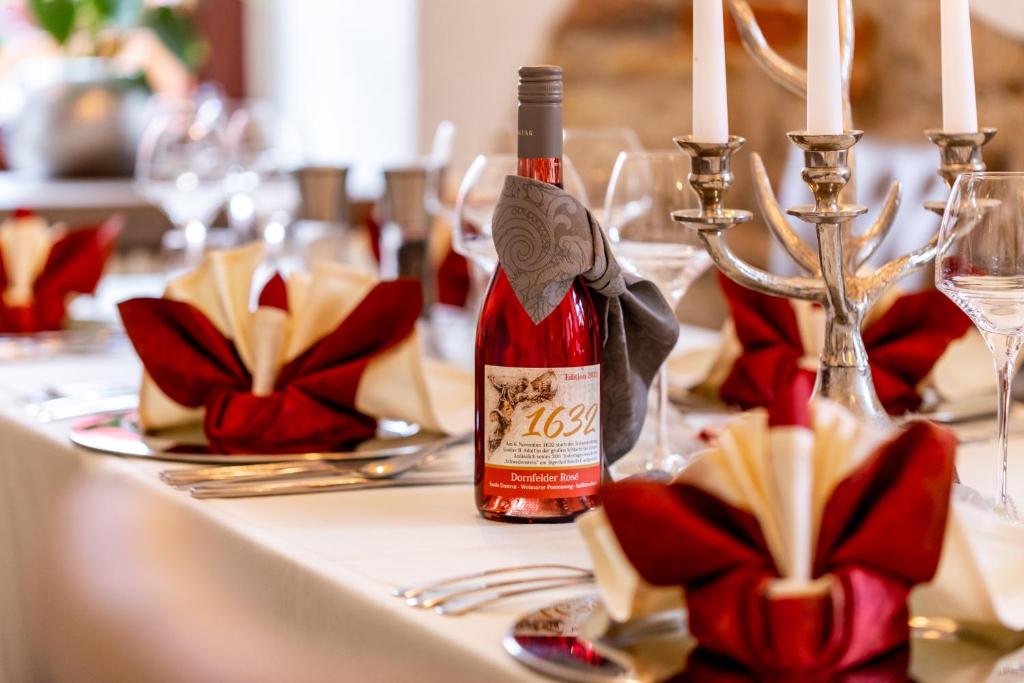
{"x": 552, "y": 641}
{"x": 119, "y": 434}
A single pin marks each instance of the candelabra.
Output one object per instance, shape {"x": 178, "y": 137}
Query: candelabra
{"x": 834, "y": 278}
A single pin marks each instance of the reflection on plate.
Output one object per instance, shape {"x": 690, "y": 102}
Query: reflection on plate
{"x": 119, "y": 434}
{"x": 553, "y": 642}
{"x": 83, "y": 336}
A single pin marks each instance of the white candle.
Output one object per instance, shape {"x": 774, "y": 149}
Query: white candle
{"x": 824, "y": 90}
{"x": 959, "y": 109}
{"x": 710, "y": 104}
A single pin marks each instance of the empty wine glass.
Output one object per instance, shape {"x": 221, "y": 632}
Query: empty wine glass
{"x": 593, "y": 152}
{"x": 475, "y": 202}
{"x": 645, "y": 188}
{"x": 181, "y": 165}
{"x": 437, "y": 161}
{"x": 980, "y": 266}
{"x": 263, "y": 150}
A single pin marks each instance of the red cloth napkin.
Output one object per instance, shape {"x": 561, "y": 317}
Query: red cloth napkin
{"x": 452, "y": 273}
{"x": 74, "y": 266}
{"x": 453, "y": 279}
{"x": 312, "y": 407}
{"x": 881, "y": 533}
{"x": 903, "y": 346}
{"x": 704, "y": 667}
{"x": 373, "y": 228}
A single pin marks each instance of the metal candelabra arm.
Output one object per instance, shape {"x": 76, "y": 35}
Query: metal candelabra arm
{"x": 781, "y": 70}
{"x": 844, "y": 375}
{"x": 711, "y": 177}
{"x": 834, "y": 277}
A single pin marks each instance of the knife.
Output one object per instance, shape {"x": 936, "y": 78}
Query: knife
{"x": 318, "y": 485}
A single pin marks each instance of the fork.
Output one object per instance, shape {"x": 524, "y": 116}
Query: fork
{"x": 416, "y": 590}
{"x": 463, "y": 604}
{"x": 433, "y": 599}
{"x": 465, "y": 593}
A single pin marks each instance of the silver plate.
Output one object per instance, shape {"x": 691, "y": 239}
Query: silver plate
{"x": 551, "y": 641}
{"x": 119, "y": 434}
{"x": 83, "y": 336}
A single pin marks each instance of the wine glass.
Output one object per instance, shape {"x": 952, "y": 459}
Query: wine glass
{"x": 980, "y": 266}
{"x": 181, "y": 166}
{"x": 477, "y": 197}
{"x": 437, "y": 161}
{"x": 263, "y": 151}
{"x": 645, "y": 188}
{"x": 593, "y": 152}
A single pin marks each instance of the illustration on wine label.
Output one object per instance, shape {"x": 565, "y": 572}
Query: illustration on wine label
{"x": 544, "y": 431}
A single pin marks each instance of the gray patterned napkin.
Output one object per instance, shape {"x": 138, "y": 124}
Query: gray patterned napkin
{"x": 546, "y": 239}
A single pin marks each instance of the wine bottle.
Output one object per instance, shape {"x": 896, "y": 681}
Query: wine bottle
{"x": 538, "y": 386}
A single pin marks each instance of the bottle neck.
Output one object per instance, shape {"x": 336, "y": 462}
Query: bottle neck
{"x": 544, "y": 169}
{"x": 540, "y": 142}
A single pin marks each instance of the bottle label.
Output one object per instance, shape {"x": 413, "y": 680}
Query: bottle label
{"x": 542, "y": 431}
{"x": 540, "y": 131}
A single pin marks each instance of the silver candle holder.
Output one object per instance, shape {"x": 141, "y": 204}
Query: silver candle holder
{"x": 833, "y": 279}
{"x": 959, "y": 153}
{"x": 833, "y": 276}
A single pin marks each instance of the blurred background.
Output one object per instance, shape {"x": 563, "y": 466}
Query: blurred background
{"x": 298, "y": 101}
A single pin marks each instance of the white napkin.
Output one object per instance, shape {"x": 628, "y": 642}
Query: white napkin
{"x": 784, "y": 476}
{"x": 624, "y": 592}
{"x": 398, "y": 384}
{"x": 25, "y": 245}
{"x": 981, "y": 573}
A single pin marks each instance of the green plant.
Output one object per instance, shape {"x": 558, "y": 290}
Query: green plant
{"x": 102, "y": 20}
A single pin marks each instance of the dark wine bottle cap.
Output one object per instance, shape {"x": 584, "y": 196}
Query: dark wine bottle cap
{"x": 540, "y": 112}
{"x": 540, "y": 84}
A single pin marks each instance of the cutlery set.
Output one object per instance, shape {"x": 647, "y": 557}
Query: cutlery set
{"x": 458, "y": 595}
{"x": 310, "y": 476}
{"x": 74, "y": 400}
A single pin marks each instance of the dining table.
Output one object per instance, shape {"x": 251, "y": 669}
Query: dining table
{"x": 318, "y": 568}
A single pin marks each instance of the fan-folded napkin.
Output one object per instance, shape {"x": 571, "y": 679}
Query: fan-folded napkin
{"x": 979, "y": 577}
{"x": 796, "y": 537}
{"x": 921, "y": 348}
{"x": 42, "y": 267}
{"x": 320, "y": 359}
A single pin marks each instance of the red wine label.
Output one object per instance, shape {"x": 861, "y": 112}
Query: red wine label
{"x": 543, "y": 431}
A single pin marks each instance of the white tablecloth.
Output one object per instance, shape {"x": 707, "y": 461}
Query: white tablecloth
{"x": 320, "y": 566}
{"x": 324, "y": 564}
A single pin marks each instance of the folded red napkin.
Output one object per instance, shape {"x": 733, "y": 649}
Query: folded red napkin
{"x": 704, "y": 667}
{"x": 903, "y": 344}
{"x": 306, "y": 404}
{"x": 450, "y": 268}
{"x": 41, "y": 268}
{"x": 736, "y": 531}
{"x": 453, "y": 278}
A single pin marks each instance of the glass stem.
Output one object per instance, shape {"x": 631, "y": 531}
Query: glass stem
{"x": 1004, "y": 354}
{"x": 194, "y": 233}
{"x": 659, "y": 456}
